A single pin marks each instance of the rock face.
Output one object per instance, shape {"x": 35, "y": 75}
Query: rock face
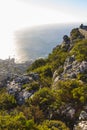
{"x": 82, "y": 123}
{"x": 66, "y": 39}
{"x": 81, "y": 126}
{"x": 83, "y": 115}
{"x": 71, "y": 69}
{"x": 75, "y": 67}
{"x": 83, "y": 67}
{"x": 15, "y": 87}
{"x": 68, "y": 111}
{"x": 66, "y": 42}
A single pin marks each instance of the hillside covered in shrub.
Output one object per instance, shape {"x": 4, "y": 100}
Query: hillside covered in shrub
{"x": 58, "y": 99}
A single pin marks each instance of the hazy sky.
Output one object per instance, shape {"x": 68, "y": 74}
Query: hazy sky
{"x": 17, "y": 14}
{"x": 23, "y": 13}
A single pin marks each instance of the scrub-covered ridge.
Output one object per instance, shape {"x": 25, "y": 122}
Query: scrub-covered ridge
{"x": 52, "y": 95}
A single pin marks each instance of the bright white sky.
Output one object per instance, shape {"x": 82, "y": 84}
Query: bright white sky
{"x": 17, "y": 14}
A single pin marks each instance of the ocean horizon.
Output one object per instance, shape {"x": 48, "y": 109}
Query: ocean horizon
{"x": 37, "y": 42}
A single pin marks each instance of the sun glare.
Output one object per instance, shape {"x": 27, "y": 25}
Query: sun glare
{"x": 16, "y": 14}
{"x": 7, "y": 47}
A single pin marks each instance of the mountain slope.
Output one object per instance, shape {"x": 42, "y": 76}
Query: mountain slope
{"x": 53, "y": 93}
{"x": 65, "y": 73}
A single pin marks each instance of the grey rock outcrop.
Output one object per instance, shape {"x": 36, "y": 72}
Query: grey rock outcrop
{"x": 66, "y": 39}
{"x": 71, "y": 69}
{"x": 83, "y": 67}
{"x": 66, "y": 42}
{"x": 83, "y": 115}
{"x": 82, "y": 125}
{"x": 68, "y": 111}
{"x": 15, "y": 87}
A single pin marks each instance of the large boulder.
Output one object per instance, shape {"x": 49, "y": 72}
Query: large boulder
{"x": 66, "y": 42}
{"x": 83, "y": 67}
{"x": 82, "y": 125}
{"x": 26, "y": 94}
{"x": 83, "y": 115}
{"x": 66, "y": 39}
{"x": 68, "y": 112}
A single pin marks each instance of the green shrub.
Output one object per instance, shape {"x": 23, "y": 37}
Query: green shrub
{"x": 7, "y": 101}
{"x": 80, "y": 50}
{"x": 33, "y": 86}
{"x": 53, "y": 125}
{"x": 17, "y": 122}
{"x": 82, "y": 77}
{"x": 57, "y": 58}
{"x": 45, "y": 73}
{"x": 45, "y": 99}
{"x": 71, "y": 91}
{"x": 60, "y": 70}
{"x": 36, "y": 64}
{"x": 75, "y": 34}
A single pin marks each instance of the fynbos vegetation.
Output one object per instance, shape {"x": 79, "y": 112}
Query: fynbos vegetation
{"x": 53, "y": 94}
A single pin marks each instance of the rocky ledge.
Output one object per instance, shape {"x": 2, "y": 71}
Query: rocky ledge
{"x": 16, "y": 87}
{"x": 72, "y": 68}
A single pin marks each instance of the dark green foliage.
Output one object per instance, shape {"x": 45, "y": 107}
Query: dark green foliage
{"x": 75, "y": 34}
{"x": 34, "y": 86}
{"x": 16, "y": 122}
{"x": 38, "y": 63}
{"x": 60, "y": 70}
{"x": 57, "y": 58}
{"x": 45, "y": 73}
{"x": 47, "y": 101}
{"x": 37, "y": 114}
{"x": 80, "y": 50}
{"x": 6, "y": 101}
{"x": 44, "y": 98}
{"x": 73, "y": 91}
{"x": 53, "y": 125}
{"x": 82, "y": 77}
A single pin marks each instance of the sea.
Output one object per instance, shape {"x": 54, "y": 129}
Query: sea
{"x": 37, "y": 42}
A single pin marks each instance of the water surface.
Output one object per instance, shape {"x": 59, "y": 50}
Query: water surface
{"x": 32, "y": 43}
